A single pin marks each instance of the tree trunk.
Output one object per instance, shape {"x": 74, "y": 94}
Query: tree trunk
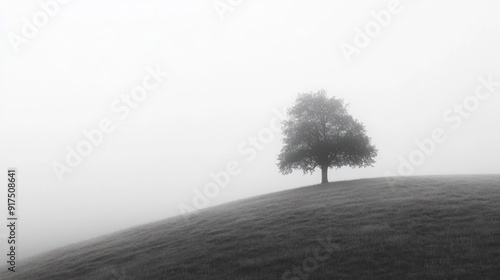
{"x": 324, "y": 174}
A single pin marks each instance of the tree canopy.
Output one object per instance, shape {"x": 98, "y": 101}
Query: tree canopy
{"x": 319, "y": 132}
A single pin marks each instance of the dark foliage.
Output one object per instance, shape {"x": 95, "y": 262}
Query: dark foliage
{"x": 320, "y": 132}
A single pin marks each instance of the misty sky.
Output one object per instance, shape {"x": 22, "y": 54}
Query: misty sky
{"x": 227, "y": 78}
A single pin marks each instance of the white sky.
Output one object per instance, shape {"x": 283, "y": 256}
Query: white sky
{"x": 226, "y": 77}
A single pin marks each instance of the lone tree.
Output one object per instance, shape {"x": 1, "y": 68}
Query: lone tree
{"x": 319, "y": 132}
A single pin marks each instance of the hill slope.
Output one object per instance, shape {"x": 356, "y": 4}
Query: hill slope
{"x": 445, "y": 227}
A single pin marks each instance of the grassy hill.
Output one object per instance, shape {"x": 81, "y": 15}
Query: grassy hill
{"x": 440, "y": 227}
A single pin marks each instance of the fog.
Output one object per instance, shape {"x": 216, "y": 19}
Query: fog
{"x": 231, "y": 75}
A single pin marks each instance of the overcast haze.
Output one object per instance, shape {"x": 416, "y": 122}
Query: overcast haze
{"x": 227, "y": 78}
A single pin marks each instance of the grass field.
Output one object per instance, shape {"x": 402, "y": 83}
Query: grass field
{"x": 440, "y": 227}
